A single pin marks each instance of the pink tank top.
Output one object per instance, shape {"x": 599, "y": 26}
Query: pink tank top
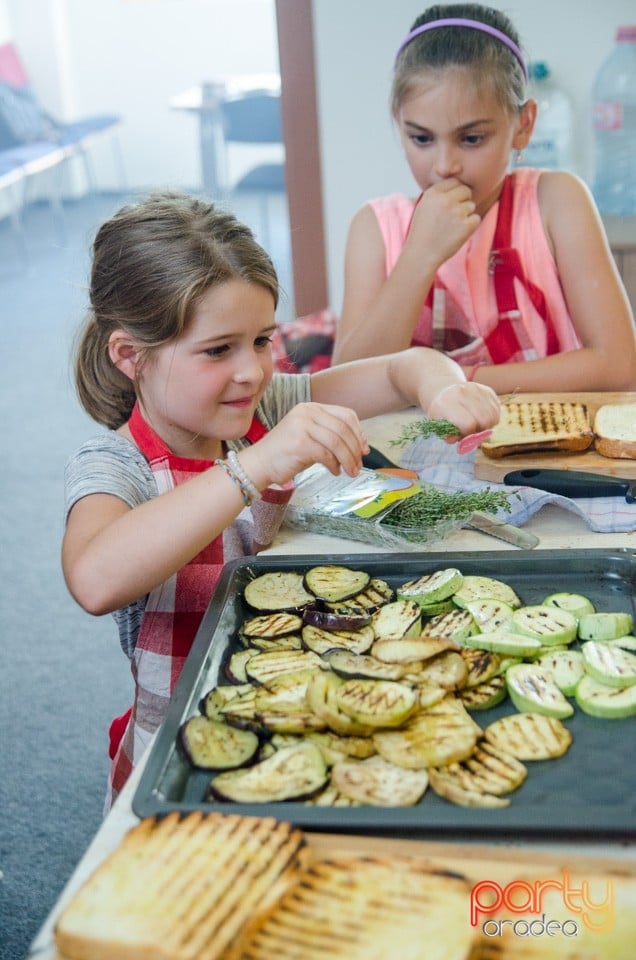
{"x": 464, "y": 314}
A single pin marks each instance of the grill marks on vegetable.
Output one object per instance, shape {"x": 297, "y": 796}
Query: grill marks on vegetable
{"x": 347, "y": 691}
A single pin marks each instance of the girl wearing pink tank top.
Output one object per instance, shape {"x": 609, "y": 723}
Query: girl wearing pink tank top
{"x": 508, "y": 273}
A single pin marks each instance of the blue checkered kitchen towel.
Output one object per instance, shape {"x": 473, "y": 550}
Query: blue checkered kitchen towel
{"x": 440, "y": 464}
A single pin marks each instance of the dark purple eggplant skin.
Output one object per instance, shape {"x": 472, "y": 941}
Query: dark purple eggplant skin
{"x": 330, "y": 620}
{"x": 183, "y": 747}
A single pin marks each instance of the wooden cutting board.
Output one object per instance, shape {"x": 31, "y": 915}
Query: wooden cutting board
{"x": 589, "y": 460}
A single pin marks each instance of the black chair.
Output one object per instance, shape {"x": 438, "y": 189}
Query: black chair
{"x": 254, "y": 117}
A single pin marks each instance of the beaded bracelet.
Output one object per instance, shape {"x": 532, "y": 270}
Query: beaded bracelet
{"x": 238, "y": 476}
{"x": 246, "y": 483}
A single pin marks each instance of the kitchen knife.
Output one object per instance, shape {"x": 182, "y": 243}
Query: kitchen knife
{"x": 494, "y": 527}
{"x": 573, "y": 483}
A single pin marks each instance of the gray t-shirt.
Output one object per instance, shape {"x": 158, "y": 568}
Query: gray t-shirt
{"x": 110, "y": 463}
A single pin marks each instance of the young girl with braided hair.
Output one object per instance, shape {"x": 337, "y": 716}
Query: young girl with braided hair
{"x": 175, "y": 360}
{"x": 508, "y": 273}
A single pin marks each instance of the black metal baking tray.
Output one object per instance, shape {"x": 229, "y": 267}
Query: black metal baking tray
{"x": 589, "y": 793}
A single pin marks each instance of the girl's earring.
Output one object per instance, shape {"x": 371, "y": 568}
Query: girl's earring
{"x": 519, "y": 157}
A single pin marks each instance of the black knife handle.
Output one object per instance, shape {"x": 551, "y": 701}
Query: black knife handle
{"x": 569, "y": 483}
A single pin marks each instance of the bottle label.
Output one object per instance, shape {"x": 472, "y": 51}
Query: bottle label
{"x": 608, "y": 116}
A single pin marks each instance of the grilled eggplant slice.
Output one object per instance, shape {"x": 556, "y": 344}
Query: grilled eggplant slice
{"x": 379, "y": 783}
{"x": 277, "y": 590}
{"x": 341, "y": 617}
{"x": 529, "y": 736}
{"x": 322, "y": 641}
{"x": 271, "y": 626}
{"x": 374, "y": 596}
{"x": 334, "y": 583}
{"x": 351, "y": 665}
{"x": 265, "y": 644}
{"x": 213, "y": 745}
{"x": 442, "y": 734}
{"x": 235, "y": 667}
{"x": 215, "y": 699}
{"x": 337, "y": 747}
{"x": 400, "y": 618}
{"x": 265, "y": 666}
{"x": 376, "y": 703}
{"x": 409, "y": 650}
{"x": 432, "y": 587}
{"x": 292, "y": 773}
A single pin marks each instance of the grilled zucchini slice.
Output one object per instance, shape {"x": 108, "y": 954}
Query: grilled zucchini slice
{"x": 605, "y": 626}
{"x": 566, "y": 666}
{"x": 484, "y": 695}
{"x": 476, "y": 587}
{"x": 348, "y": 665}
{"x": 609, "y": 664}
{"x": 553, "y": 626}
{"x": 600, "y": 700}
{"x": 432, "y": 587}
{"x": 531, "y": 688}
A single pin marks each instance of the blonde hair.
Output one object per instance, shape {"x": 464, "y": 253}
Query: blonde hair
{"x": 151, "y": 262}
{"x": 444, "y": 47}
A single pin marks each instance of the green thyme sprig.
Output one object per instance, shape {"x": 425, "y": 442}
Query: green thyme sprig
{"x": 431, "y": 506}
{"x": 424, "y": 428}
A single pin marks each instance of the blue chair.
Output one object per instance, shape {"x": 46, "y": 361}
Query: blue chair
{"x": 254, "y": 117}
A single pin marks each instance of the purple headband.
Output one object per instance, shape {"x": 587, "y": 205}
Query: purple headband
{"x": 473, "y": 24}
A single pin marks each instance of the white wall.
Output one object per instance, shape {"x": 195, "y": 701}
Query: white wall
{"x": 355, "y": 44}
{"x": 130, "y": 57}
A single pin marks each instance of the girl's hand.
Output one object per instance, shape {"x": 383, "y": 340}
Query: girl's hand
{"x": 444, "y": 219}
{"x": 310, "y": 433}
{"x": 470, "y": 406}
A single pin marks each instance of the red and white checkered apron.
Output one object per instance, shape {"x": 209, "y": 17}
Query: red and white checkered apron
{"x": 175, "y": 609}
{"x": 508, "y": 340}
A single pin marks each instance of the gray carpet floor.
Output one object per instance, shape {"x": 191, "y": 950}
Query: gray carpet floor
{"x": 62, "y": 674}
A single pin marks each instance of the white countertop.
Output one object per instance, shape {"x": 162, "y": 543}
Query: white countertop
{"x": 557, "y": 529}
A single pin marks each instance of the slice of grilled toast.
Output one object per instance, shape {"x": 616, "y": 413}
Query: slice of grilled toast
{"x": 540, "y": 425}
{"x": 181, "y": 889}
{"x": 366, "y": 908}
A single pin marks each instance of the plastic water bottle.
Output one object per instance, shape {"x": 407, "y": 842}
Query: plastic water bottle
{"x": 614, "y": 96}
{"x": 551, "y": 144}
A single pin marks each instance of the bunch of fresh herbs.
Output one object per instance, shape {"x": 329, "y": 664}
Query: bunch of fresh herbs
{"x": 431, "y": 506}
{"x": 425, "y": 428}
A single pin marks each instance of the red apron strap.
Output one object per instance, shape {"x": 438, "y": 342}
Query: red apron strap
{"x": 505, "y": 265}
{"x": 256, "y": 431}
